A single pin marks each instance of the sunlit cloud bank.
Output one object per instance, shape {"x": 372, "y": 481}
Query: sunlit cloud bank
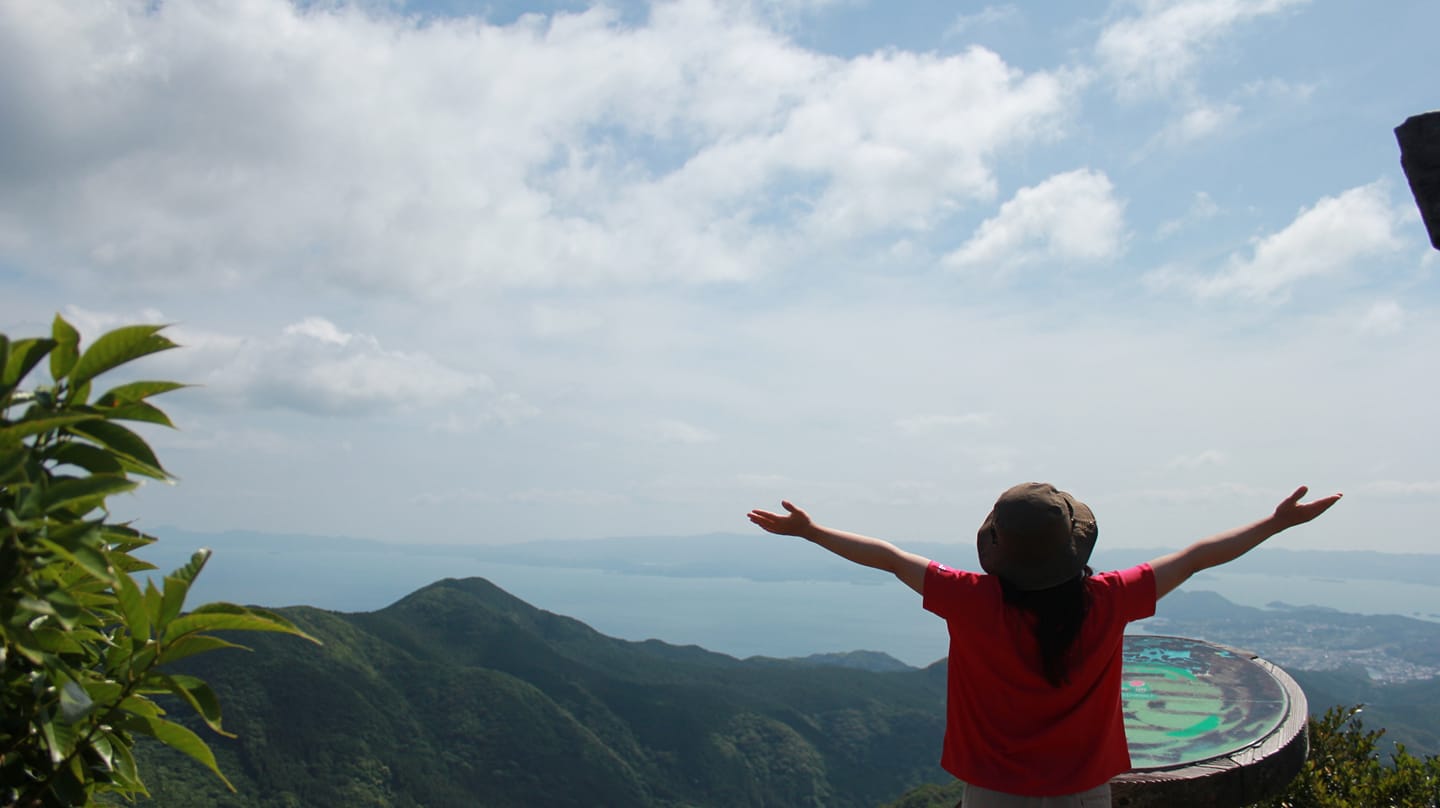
{"x": 1336, "y": 235}
{"x": 187, "y": 142}
{"x": 1071, "y": 217}
{"x": 1155, "y": 45}
{"x": 488, "y": 275}
{"x": 313, "y": 367}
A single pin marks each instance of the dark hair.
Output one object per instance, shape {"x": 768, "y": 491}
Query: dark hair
{"x": 1059, "y": 614}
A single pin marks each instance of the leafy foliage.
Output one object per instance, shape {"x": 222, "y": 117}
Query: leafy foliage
{"x": 1344, "y": 769}
{"x": 1409, "y": 711}
{"x": 86, "y": 646}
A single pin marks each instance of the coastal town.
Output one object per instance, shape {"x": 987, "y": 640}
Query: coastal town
{"x": 1390, "y": 649}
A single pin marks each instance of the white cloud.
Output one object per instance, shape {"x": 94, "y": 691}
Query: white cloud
{"x": 1197, "y": 495}
{"x": 578, "y": 497}
{"x": 987, "y": 16}
{"x": 887, "y": 140}
{"x": 318, "y": 328}
{"x": 190, "y": 142}
{"x": 1414, "y": 489}
{"x": 675, "y": 431}
{"x": 314, "y": 367}
{"x": 1273, "y": 91}
{"x": 1209, "y": 457}
{"x": 566, "y": 496}
{"x": 992, "y": 460}
{"x": 909, "y": 494}
{"x": 224, "y": 440}
{"x": 915, "y": 425}
{"x": 1071, "y": 217}
{"x": 1156, "y": 49}
{"x": 1325, "y": 239}
{"x": 766, "y": 482}
{"x": 555, "y": 321}
{"x": 92, "y": 323}
{"x": 1382, "y": 317}
{"x": 1202, "y": 207}
{"x": 506, "y": 409}
{"x": 1199, "y": 122}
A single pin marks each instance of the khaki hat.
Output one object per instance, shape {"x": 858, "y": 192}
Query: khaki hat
{"x": 1036, "y": 537}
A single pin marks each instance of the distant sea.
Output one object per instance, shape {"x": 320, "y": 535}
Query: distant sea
{"x": 730, "y": 614}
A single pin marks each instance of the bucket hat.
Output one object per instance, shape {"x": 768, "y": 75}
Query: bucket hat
{"x": 1036, "y": 536}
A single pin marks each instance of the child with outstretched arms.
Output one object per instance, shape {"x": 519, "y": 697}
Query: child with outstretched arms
{"x": 1033, "y": 716}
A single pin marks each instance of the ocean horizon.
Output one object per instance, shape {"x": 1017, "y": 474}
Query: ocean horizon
{"x": 724, "y": 611}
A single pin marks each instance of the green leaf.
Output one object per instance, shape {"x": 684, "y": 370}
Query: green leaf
{"x": 67, "y": 348}
{"x": 145, "y": 656}
{"x": 127, "y": 775}
{"x": 176, "y": 737}
{"x": 54, "y": 641}
{"x": 104, "y": 692}
{"x": 136, "y": 391}
{"x": 229, "y": 617}
{"x": 57, "y": 738}
{"x": 152, "y": 606}
{"x": 132, "y": 451}
{"x": 85, "y": 557}
{"x": 172, "y": 600}
{"x": 78, "y": 489}
{"x": 24, "y": 355}
{"x": 124, "y": 561}
{"x": 86, "y": 456}
{"x": 115, "y": 348}
{"x": 77, "y": 395}
{"x": 103, "y": 750}
{"x": 132, "y": 607}
{"x": 34, "y": 426}
{"x": 192, "y": 644}
{"x": 192, "y": 569}
{"x": 57, "y": 604}
{"x": 140, "y": 706}
{"x": 137, "y": 411}
{"x": 195, "y": 693}
{"x": 122, "y": 538}
{"x": 11, "y": 462}
{"x": 177, "y": 586}
{"x": 23, "y": 640}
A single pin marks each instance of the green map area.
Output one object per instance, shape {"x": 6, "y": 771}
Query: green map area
{"x": 1186, "y": 701}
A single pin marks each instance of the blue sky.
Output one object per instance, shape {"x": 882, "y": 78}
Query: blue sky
{"x": 481, "y": 273}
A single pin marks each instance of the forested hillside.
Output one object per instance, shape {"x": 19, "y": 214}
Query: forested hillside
{"x": 462, "y": 692}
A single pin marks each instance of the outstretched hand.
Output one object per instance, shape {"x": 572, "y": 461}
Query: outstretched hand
{"x": 795, "y": 523}
{"x": 1293, "y": 512}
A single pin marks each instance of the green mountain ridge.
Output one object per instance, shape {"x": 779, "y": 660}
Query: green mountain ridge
{"x": 461, "y": 694}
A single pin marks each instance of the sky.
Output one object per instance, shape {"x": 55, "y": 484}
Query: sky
{"x": 493, "y": 272}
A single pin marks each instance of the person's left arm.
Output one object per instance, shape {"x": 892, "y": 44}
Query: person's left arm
{"x": 864, "y": 550}
{"x": 1175, "y": 568}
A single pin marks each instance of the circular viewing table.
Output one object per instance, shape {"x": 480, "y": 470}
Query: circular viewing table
{"x": 1208, "y": 725}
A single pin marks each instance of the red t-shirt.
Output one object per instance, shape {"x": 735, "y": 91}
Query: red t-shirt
{"x": 1006, "y": 728}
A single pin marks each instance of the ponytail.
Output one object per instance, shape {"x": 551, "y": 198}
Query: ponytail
{"x": 1059, "y": 615}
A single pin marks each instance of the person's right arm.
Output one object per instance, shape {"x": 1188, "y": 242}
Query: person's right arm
{"x": 1175, "y": 568}
{"x": 864, "y": 550}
